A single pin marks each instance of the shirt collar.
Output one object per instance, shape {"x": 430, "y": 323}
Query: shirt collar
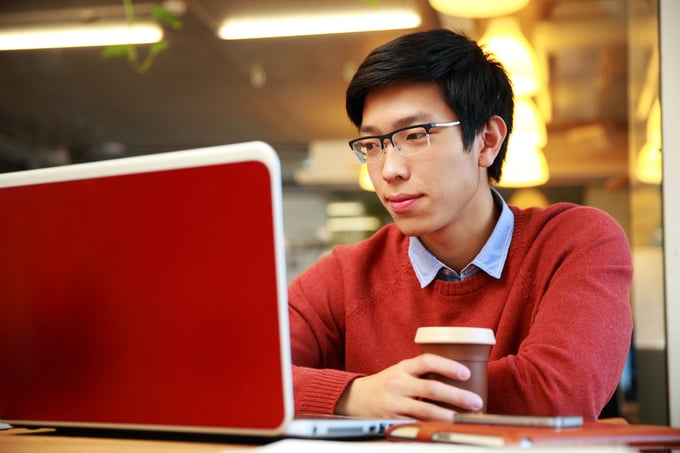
{"x": 490, "y": 259}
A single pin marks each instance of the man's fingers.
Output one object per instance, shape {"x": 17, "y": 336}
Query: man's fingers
{"x": 431, "y": 363}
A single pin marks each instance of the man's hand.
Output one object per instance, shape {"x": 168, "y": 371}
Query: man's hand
{"x": 400, "y": 392}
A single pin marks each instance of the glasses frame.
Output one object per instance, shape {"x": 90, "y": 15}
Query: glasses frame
{"x": 362, "y": 157}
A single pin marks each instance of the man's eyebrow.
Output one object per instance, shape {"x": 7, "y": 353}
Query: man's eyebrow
{"x": 368, "y": 130}
{"x": 421, "y": 117}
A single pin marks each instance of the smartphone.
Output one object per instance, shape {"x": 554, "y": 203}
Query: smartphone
{"x": 569, "y": 421}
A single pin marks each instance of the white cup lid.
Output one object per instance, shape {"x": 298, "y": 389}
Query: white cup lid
{"x": 466, "y": 335}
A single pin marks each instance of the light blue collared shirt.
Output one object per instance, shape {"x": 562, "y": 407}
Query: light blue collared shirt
{"x": 490, "y": 259}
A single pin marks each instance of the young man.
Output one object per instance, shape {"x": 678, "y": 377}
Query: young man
{"x": 434, "y": 113}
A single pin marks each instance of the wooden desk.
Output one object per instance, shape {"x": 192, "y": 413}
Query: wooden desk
{"x": 20, "y": 440}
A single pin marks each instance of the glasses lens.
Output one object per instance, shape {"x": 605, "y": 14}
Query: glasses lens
{"x": 367, "y": 149}
{"x": 412, "y": 140}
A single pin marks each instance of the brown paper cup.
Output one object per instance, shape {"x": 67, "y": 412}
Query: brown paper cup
{"x": 468, "y": 345}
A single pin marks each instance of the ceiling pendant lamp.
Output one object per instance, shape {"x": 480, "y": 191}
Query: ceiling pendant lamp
{"x": 528, "y": 121}
{"x": 504, "y": 39}
{"x": 478, "y": 8}
{"x": 525, "y": 164}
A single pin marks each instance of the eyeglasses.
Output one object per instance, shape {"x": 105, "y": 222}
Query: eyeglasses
{"x": 407, "y": 140}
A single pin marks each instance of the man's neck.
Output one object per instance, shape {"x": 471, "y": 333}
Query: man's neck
{"x": 460, "y": 242}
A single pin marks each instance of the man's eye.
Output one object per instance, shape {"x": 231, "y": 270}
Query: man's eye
{"x": 370, "y": 146}
{"x": 416, "y": 135}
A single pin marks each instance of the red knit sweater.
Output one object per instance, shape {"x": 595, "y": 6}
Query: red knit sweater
{"x": 560, "y": 312}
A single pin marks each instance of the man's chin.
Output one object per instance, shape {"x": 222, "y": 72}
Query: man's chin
{"x": 410, "y": 227}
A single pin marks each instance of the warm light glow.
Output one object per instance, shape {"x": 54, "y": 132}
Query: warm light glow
{"x": 525, "y": 164}
{"x": 79, "y": 35}
{"x": 478, "y": 8}
{"x": 648, "y": 164}
{"x": 504, "y": 39}
{"x": 365, "y": 180}
{"x": 528, "y": 121}
{"x": 529, "y": 197}
{"x": 305, "y": 24}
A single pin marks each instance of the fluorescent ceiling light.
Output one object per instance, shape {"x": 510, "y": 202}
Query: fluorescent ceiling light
{"x": 305, "y": 24}
{"x": 79, "y": 35}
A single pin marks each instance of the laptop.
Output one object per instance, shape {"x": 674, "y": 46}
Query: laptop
{"x": 149, "y": 293}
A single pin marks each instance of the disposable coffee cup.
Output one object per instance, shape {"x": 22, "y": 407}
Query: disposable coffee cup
{"x": 470, "y": 346}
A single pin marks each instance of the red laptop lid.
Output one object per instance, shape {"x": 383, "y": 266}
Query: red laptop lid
{"x": 146, "y": 293}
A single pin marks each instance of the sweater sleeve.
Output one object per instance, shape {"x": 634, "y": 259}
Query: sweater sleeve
{"x": 317, "y": 323}
{"x": 575, "y": 282}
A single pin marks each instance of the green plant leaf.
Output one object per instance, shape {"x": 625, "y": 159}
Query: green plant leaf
{"x": 159, "y": 14}
{"x": 117, "y": 51}
{"x": 158, "y": 47}
{"x": 162, "y": 14}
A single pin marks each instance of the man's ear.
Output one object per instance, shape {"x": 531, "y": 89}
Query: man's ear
{"x": 493, "y": 134}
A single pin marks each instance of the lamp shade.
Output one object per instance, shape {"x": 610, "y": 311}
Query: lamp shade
{"x": 528, "y": 121}
{"x": 504, "y": 39}
{"x": 478, "y": 8}
{"x": 525, "y": 164}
